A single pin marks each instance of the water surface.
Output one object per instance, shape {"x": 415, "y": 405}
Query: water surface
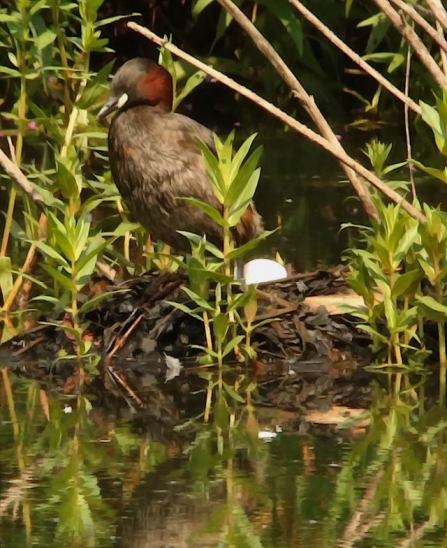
{"x": 77, "y": 474}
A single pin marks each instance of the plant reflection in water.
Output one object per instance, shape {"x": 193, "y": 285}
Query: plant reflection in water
{"x": 78, "y": 473}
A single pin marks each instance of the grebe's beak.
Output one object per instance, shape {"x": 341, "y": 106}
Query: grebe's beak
{"x": 114, "y": 103}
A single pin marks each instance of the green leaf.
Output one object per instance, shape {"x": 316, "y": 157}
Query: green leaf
{"x": 82, "y": 235}
{"x": 10, "y": 71}
{"x": 432, "y": 308}
{"x": 68, "y": 183}
{"x": 109, "y": 20}
{"x": 431, "y": 117}
{"x": 236, "y": 212}
{"x": 193, "y": 81}
{"x": 95, "y": 89}
{"x": 6, "y": 280}
{"x": 232, "y": 344}
{"x": 286, "y": 14}
{"x": 406, "y": 283}
{"x": 240, "y": 155}
{"x": 204, "y": 349}
{"x": 45, "y": 39}
{"x": 197, "y": 240}
{"x": 65, "y": 281}
{"x": 5, "y": 18}
{"x": 213, "y": 170}
{"x": 198, "y": 6}
{"x": 243, "y": 176}
{"x": 36, "y": 6}
{"x": 94, "y": 301}
{"x": 221, "y": 325}
{"x": 124, "y": 227}
{"x": 348, "y": 6}
{"x": 428, "y": 269}
{"x": 208, "y": 209}
{"x": 267, "y": 321}
{"x": 197, "y": 299}
{"x": 51, "y": 252}
{"x": 48, "y": 299}
{"x": 437, "y": 173}
{"x": 185, "y": 309}
{"x": 241, "y": 251}
{"x": 232, "y": 393}
{"x": 239, "y": 301}
{"x": 438, "y": 125}
{"x": 95, "y": 248}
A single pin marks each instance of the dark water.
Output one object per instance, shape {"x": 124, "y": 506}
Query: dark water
{"x": 75, "y": 474}
{"x": 303, "y": 192}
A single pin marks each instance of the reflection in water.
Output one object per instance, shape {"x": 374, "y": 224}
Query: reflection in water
{"x": 76, "y": 475}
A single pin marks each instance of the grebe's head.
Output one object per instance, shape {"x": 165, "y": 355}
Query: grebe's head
{"x": 139, "y": 81}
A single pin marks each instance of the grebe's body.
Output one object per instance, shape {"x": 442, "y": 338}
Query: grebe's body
{"x": 156, "y": 161}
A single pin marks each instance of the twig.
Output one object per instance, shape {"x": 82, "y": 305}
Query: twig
{"x": 14, "y": 172}
{"x": 349, "y": 535}
{"x": 442, "y": 52}
{"x": 285, "y": 118}
{"x": 439, "y": 12}
{"x": 414, "y": 536}
{"x": 30, "y": 345}
{"x": 126, "y": 387}
{"x": 414, "y": 41}
{"x": 407, "y": 124}
{"x": 121, "y": 341}
{"x": 334, "y": 39}
{"x": 423, "y": 23}
{"x": 301, "y": 94}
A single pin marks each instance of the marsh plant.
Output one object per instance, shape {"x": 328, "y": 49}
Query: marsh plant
{"x": 53, "y": 95}
{"x": 50, "y": 92}
{"x": 220, "y": 301}
{"x": 401, "y": 272}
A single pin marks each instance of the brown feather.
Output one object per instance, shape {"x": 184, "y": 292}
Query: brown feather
{"x": 156, "y": 161}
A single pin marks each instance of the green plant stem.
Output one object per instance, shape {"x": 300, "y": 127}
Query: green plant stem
{"x": 72, "y": 121}
{"x": 19, "y": 444}
{"x": 226, "y": 250}
{"x": 397, "y": 383}
{"x": 209, "y": 398}
{"x": 441, "y": 338}
{"x": 19, "y": 148}
{"x": 207, "y": 326}
{"x": 395, "y": 337}
{"x": 248, "y": 331}
{"x": 442, "y": 355}
{"x": 64, "y": 61}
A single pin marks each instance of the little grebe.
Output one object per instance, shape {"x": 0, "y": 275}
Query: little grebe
{"x": 155, "y": 159}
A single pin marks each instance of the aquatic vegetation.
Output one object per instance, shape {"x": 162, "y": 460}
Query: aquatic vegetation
{"x": 401, "y": 273}
{"x": 63, "y": 160}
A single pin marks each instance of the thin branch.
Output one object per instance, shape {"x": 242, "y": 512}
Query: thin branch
{"x": 439, "y": 12}
{"x": 442, "y": 52}
{"x": 414, "y": 41}
{"x": 414, "y": 536}
{"x": 305, "y": 99}
{"x": 285, "y": 118}
{"x": 334, "y": 39}
{"x": 14, "y": 172}
{"x": 407, "y": 124}
{"x": 359, "y": 525}
{"x": 423, "y": 23}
